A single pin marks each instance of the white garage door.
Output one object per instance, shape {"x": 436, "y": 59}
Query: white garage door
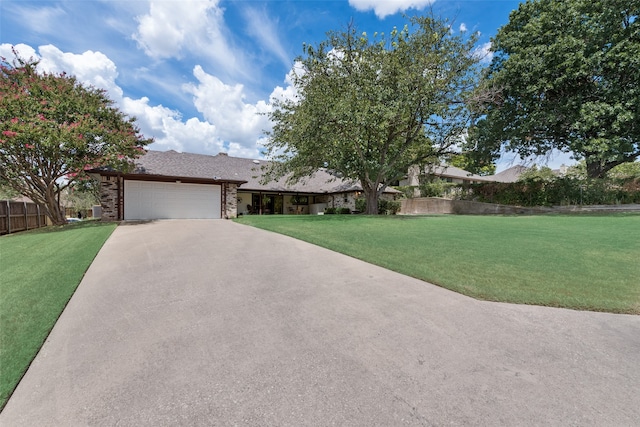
{"x": 161, "y": 200}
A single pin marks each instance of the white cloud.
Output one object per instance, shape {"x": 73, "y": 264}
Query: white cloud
{"x": 224, "y": 105}
{"x": 40, "y": 20}
{"x": 170, "y": 132}
{"x": 91, "y": 68}
{"x": 383, "y": 8}
{"x": 289, "y": 92}
{"x": 23, "y": 50}
{"x": 172, "y": 28}
{"x": 483, "y": 52}
{"x": 161, "y": 33}
{"x": 463, "y": 28}
{"x": 266, "y": 32}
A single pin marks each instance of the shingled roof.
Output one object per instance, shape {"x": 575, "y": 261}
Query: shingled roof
{"x": 226, "y": 168}
{"x": 510, "y": 175}
{"x": 455, "y": 172}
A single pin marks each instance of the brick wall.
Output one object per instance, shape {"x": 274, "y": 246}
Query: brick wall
{"x": 109, "y": 197}
{"x": 231, "y": 208}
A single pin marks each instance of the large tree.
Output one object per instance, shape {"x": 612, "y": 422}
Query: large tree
{"x": 369, "y": 108}
{"x": 565, "y": 76}
{"x": 52, "y": 128}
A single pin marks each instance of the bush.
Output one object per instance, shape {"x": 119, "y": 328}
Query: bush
{"x": 565, "y": 190}
{"x": 385, "y": 207}
{"x": 437, "y": 188}
{"x": 329, "y": 211}
{"x": 344, "y": 211}
{"x": 388, "y": 207}
{"x": 406, "y": 190}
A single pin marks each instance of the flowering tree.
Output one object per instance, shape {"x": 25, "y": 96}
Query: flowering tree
{"x": 53, "y": 128}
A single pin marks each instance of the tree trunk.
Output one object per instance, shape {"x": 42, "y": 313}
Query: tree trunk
{"x": 371, "y": 196}
{"x": 53, "y": 208}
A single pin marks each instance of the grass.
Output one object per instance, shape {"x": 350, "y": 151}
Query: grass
{"x": 41, "y": 269}
{"x": 583, "y": 262}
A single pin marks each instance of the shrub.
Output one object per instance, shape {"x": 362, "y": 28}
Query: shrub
{"x": 388, "y": 207}
{"x": 406, "y": 190}
{"x": 567, "y": 190}
{"x": 344, "y": 211}
{"x": 385, "y": 207}
{"x": 329, "y": 211}
{"x": 437, "y": 188}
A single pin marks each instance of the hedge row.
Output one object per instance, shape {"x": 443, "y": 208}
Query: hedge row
{"x": 560, "y": 191}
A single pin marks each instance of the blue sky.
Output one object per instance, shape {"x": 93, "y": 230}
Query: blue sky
{"x": 197, "y": 74}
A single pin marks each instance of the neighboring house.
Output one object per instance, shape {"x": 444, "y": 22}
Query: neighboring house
{"x": 514, "y": 173}
{"x": 461, "y": 176}
{"x": 445, "y": 173}
{"x": 510, "y": 175}
{"x": 168, "y": 184}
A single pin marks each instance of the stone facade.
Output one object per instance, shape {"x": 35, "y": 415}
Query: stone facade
{"x": 231, "y": 208}
{"x": 339, "y": 201}
{"x": 109, "y": 197}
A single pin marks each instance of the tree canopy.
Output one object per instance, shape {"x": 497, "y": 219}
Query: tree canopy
{"x": 369, "y": 108}
{"x": 53, "y": 128}
{"x": 565, "y": 76}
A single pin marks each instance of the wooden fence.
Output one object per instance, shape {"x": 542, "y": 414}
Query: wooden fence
{"x": 19, "y": 216}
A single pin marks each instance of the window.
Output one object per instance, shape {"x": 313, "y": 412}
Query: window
{"x": 299, "y": 200}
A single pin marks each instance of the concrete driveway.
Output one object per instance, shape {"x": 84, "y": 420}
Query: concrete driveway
{"x": 214, "y": 323}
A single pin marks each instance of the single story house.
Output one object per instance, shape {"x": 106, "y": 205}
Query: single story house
{"x": 168, "y": 184}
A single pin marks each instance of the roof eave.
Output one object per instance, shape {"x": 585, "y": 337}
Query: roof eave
{"x": 166, "y": 178}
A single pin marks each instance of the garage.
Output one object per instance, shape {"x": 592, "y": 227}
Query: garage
{"x": 167, "y": 200}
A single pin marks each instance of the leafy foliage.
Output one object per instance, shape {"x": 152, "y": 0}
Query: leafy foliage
{"x": 52, "y": 129}
{"x": 83, "y": 194}
{"x": 436, "y": 188}
{"x": 341, "y": 211}
{"x": 565, "y": 76}
{"x": 385, "y": 207}
{"x": 367, "y": 109}
{"x": 469, "y": 161}
{"x": 533, "y": 174}
{"x": 625, "y": 170}
{"x": 567, "y": 190}
{"x": 6, "y": 192}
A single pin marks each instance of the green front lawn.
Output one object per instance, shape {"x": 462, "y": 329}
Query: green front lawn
{"x": 40, "y": 271}
{"x": 584, "y": 262}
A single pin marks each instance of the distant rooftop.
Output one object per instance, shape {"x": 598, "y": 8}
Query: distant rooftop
{"x": 510, "y": 175}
